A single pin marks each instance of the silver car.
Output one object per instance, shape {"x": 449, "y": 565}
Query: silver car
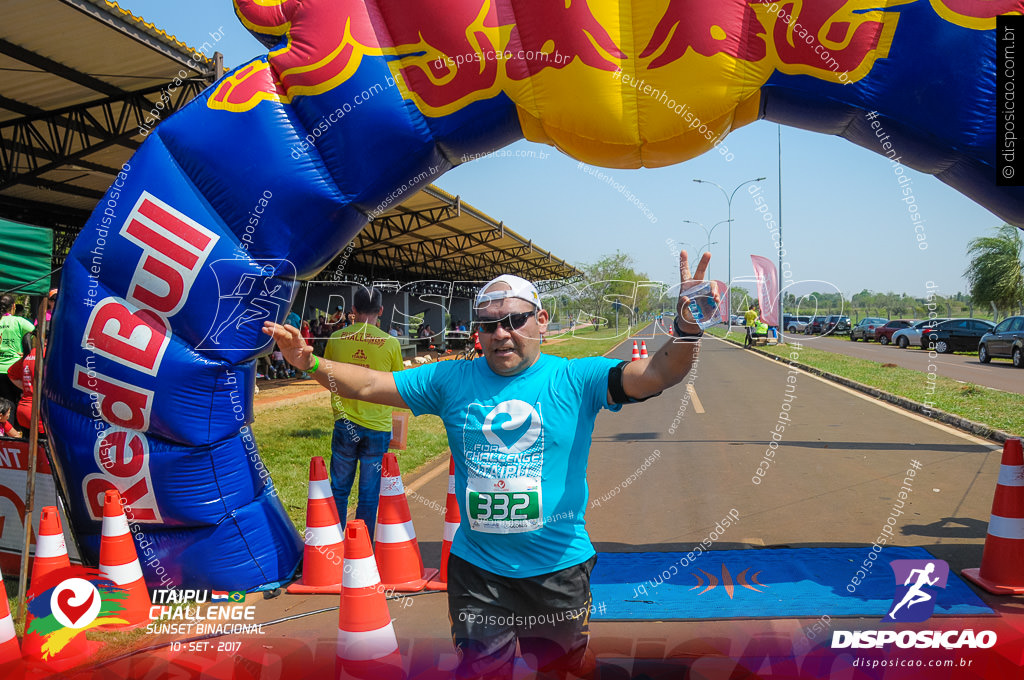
{"x": 906, "y": 337}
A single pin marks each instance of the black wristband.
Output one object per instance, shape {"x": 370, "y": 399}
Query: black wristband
{"x": 615, "y": 388}
{"x": 684, "y": 335}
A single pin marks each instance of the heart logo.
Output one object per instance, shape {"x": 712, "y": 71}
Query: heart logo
{"x": 74, "y": 612}
{"x": 512, "y": 426}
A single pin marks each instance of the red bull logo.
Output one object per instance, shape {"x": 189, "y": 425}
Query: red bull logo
{"x": 448, "y": 54}
{"x": 831, "y": 39}
{"x": 135, "y": 333}
{"x": 979, "y": 15}
{"x": 555, "y": 61}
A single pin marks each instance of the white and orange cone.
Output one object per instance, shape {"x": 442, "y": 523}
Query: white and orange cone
{"x": 324, "y": 551}
{"x": 119, "y": 562}
{"x": 51, "y": 555}
{"x": 1001, "y": 572}
{"x": 367, "y": 646}
{"x": 452, "y": 518}
{"x": 643, "y": 350}
{"x": 10, "y": 652}
{"x": 636, "y": 352}
{"x": 398, "y": 551}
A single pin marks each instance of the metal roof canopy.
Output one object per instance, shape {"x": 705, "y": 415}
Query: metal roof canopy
{"x": 434, "y": 236}
{"x": 79, "y": 79}
{"x": 70, "y": 116}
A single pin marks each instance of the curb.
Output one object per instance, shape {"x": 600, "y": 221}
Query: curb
{"x": 960, "y": 423}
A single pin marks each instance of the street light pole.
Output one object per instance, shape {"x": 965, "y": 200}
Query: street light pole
{"x": 708, "y": 233}
{"x": 728, "y": 200}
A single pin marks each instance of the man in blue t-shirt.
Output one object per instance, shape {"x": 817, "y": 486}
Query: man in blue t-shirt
{"x": 519, "y": 426}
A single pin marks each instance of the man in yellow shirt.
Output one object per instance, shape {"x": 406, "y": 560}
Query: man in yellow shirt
{"x": 749, "y": 321}
{"x": 362, "y": 430}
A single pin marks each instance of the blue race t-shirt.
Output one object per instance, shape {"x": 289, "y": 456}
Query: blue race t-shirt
{"x": 520, "y": 446}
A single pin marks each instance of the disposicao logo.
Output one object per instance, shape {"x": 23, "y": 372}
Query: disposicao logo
{"x": 69, "y": 602}
{"x": 913, "y": 603}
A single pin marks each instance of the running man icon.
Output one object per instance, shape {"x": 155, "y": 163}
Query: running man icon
{"x": 923, "y": 573}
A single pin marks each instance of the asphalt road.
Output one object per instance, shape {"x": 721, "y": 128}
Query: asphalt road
{"x": 999, "y": 375}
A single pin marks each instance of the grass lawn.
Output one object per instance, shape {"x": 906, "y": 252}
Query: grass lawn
{"x": 584, "y": 342}
{"x": 290, "y": 435}
{"x": 995, "y": 408}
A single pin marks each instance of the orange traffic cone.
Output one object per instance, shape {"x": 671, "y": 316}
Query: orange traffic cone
{"x": 398, "y": 552}
{"x": 51, "y": 555}
{"x": 643, "y": 350}
{"x": 451, "y": 525}
{"x": 324, "y": 551}
{"x": 1000, "y": 571}
{"x": 119, "y": 562}
{"x": 9, "y": 650}
{"x": 636, "y": 352}
{"x": 367, "y": 646}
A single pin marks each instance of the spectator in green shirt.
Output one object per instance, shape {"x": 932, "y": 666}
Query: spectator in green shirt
{"x": 12, "y": 330}
{"x": 362, "y": 431}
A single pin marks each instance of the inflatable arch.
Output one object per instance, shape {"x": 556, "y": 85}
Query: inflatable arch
{"x": 260, "y": 181}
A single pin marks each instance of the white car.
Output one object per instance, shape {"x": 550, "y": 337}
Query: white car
{"x": 907, "y": 337}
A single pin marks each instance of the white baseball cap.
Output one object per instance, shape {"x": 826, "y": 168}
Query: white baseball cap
{"x": 517, "y": 288}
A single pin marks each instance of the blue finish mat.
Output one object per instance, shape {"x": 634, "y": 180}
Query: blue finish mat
{"x": 727, "y": 584}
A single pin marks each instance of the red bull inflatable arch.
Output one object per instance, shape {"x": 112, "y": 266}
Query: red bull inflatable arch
{"x": 261, "y": 180}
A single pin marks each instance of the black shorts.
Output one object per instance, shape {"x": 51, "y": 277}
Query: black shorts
{"x": 548, "y": 614}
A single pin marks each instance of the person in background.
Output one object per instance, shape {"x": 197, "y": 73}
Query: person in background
{"x": 395, "y": 331}
{"x": 336, "y": 319}
{"x": 6, "y": 429}
{"x": 278, "y": 368}
{"x": 51, "y": 302}
{"x": 12, "y": 330}
{"x": 749, "y": 320}
{"x": 362, "y": 431}
{"x": 293, "y": 319}
{"x": 22, "y": 373}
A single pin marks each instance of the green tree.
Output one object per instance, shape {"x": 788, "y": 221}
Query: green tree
{"x": 613, "y": 278}
{"x": 996, "y": 274}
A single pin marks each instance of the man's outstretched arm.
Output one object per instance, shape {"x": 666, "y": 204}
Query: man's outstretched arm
{"x": 670, "y": 364}
{"x": 345, "y": 380}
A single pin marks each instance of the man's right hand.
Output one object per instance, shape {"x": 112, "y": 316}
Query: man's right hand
{"x": 295, "y": 350}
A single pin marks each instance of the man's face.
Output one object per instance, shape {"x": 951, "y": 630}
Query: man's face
{"x": 511, "y": 352}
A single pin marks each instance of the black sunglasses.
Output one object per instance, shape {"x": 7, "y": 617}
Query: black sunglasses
{"x": 511, "y": 322}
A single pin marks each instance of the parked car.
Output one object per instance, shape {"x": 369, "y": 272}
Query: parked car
{"x": 836, "y": 324}
{"x": 1005, "y": 341}
{"x": 956, "y": 335}
{"x": 865, "y": 328}
{"x": 884, "y": 334}
{"x": 794, "y": 323}
{"x": 905, "y": 337}
{"x": 815, "y": 325}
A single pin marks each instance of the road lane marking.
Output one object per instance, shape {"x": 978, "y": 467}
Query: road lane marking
{"x": 697, "y": 406}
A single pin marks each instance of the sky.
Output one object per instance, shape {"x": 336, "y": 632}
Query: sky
{"x": 844, "y": 224}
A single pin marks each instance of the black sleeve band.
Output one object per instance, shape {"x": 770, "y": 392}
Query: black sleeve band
{"x": 615, "y": 388}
